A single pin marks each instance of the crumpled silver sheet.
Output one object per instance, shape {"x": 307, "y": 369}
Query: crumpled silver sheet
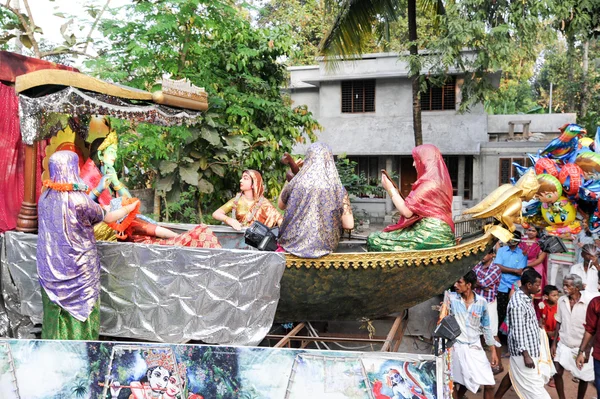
{"x": 78, "y": 103}
{"x": 12, "y": 322}
{"x": 168, "y": 294}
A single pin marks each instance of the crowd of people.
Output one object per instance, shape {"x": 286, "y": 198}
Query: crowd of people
{"x": 506, "y": 302}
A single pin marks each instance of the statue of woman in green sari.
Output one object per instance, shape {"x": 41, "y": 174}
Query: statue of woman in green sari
{"x": 426, "y": 213}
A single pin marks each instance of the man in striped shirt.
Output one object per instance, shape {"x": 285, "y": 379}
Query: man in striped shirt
{"x": 524, "y": 341}
{"x": 488, "y": 281}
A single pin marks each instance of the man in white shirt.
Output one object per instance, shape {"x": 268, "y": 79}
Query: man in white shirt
{"x": 570, "y": 320}
{"x": 588, "y": 269}
{"x": 470, "y": 366}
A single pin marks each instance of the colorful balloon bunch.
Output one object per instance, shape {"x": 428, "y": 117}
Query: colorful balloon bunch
{"x": 568, "y": 172}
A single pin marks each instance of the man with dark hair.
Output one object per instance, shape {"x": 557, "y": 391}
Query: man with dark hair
{"x": 511, "y": 261}
{"x": 470, "y": 366}
{"x": 524, "y": 341}
{"x": 570, "y": 320}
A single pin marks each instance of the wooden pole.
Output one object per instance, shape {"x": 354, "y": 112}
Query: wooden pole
{"x": 27, "y": 221}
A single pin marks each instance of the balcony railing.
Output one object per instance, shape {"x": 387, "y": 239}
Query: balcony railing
{"x": 470, "y": 226}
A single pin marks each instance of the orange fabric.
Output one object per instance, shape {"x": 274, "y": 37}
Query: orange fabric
{"x": 122, "y": 228}
{"x": 139, "y": 227}
{"x": 431, "y": 194}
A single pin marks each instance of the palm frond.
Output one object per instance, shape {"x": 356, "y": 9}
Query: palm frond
{"x": 354, "y": 23}
{"x": 431, "y": 7}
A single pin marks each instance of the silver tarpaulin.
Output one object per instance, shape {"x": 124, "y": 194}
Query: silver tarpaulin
{"x": 161, "y": 293}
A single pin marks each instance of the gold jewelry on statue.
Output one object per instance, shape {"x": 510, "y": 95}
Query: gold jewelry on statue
{"x": 96, "y": 192}
{"x": 118, "y": 186}
{"x": 110, "y": 139}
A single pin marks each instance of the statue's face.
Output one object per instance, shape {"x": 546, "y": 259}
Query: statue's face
{"x": 246, "y": 182}
{"x": 109, "y": 155}
{"x": 395, "y": 378}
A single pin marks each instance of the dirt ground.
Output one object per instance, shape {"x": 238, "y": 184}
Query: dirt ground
{"x": 570, "y": 387}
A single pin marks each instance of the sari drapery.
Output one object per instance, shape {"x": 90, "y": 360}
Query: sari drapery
{"x": 314, "y": 198}
{"x": 430, "y": 201}
{"x": 260, "y": 209}
{"x": 67, "y": 260}
{"x": 532, "y": 250}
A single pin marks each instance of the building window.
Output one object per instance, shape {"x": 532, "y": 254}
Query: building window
{"x": 441, "y": 98}
{"x": 358, "y": 96}
{"x": 452, "y": 165}
{"x": 508, "y": 170}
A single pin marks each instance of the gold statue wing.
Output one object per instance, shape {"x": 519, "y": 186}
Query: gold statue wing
{"x": 489, "y": 200}
{"x": 499, "y": 232}
{"x": 529, "y": 184}
{"x": 497, "y": 208}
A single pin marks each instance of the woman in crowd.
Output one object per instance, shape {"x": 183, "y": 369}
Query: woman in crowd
{"x": 536, "y": 258}
{"x": 249, "y": 205}
{"x": 426, "y": 213}
{"x": 316, "y": 206}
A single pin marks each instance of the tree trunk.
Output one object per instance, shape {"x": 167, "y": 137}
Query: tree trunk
{"x": 156, "y": 211}
{"x": 200, "y": 216}
{"x": 583, "y": 104}
{"x": 571, "y": 74}
{"x": 414, "y": 71}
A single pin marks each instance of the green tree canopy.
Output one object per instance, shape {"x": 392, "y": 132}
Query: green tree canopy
{"x": 249, "y": 123}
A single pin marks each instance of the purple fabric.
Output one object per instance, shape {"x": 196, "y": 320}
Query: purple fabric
{"x": 314, "y": 198}
{"x": 67, "y": 259}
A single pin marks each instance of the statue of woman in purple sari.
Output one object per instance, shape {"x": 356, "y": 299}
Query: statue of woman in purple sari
{"x": 67, "y": 259}
{"x": 316, "y": 206}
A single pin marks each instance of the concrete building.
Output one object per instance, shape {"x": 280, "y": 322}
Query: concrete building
{"x": 365, "y": 107}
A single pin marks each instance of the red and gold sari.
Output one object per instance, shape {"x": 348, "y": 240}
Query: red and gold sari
{"x": 430, "y": 201}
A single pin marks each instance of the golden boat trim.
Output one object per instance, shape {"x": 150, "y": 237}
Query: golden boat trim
{"x": 375, "y": 260}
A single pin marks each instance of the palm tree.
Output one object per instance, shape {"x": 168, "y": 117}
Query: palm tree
{"x": 80, "y": 389}
{"x": 355, "y": 22}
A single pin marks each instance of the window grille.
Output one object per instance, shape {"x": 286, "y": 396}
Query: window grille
{"x": 358, "y": 96}
{"x": 507, "y": 170}
{"x": 440, "y": 98}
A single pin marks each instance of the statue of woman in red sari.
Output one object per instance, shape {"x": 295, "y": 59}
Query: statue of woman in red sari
{"x": 426, "y": 213}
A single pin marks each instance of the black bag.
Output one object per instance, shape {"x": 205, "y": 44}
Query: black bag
{"x": 260, "y": 236}
{"x": 552, "y": 244}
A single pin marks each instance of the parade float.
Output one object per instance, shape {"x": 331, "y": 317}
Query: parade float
{"x": 173, "y": 294}
{"x": 229, "y": 296}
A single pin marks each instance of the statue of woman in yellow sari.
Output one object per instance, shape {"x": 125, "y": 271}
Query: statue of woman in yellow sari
{"x": 249, "y": 204}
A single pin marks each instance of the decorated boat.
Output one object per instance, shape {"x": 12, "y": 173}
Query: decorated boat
{"x": 178, "y": 294}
